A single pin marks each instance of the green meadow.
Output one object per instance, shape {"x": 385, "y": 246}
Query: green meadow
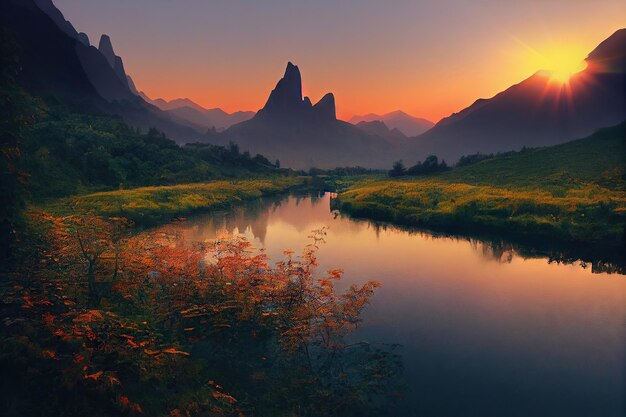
{"x": 570, "y": 192}
{"x": 151, "y": 205}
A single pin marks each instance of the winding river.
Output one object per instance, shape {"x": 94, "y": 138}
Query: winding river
{"x": 484, "y": 331}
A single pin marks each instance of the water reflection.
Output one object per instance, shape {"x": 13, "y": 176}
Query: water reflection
{"x": 305, "y": 212}
{"x": 487, "y": 327}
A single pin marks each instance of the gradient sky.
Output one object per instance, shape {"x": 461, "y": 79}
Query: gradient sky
{"x": 428, "y": 58}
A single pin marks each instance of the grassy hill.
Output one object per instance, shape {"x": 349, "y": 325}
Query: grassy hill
{"x": 572, "y": 193}
{"x": 599, "y": 158}
{"x": 66, "y": 153}
{"x": 147, "y": 206}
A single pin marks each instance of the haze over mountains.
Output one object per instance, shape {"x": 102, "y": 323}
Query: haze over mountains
{"x": 303, "y": 135}
{"x": 405, "y": 123}
{"x": 187, "y": 112}
{"x": 58, "y": 60}
{"x": 538, "y": 111}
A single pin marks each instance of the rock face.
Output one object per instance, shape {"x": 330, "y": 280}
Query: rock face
{"x": 115, "y": 62}
{"x": 131, "y": 85}
{"x": 57, "y": 17}
{"x": 82, "y": 36}
{"x": 325, "y": 108}
{"x": 286, "y": 102}
{"x": 286, "y": 97}
{"x": 302, "y": 135}
{"x": 106, "y": 49}
{"x": 55, "y": 62}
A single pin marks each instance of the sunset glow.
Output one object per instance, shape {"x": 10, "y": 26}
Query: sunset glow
{"x": 417, "y": 66}
{"x": 560, "y": 61}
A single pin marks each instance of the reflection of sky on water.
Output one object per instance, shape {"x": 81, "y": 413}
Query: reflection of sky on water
{"x": 482, "y": 328}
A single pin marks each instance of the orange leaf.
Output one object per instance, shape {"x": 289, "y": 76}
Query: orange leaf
{"x": 175, "y": 352}
{"x": 94, "y": 376}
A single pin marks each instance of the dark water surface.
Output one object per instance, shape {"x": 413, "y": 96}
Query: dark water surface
{"x": 484, "y": 331}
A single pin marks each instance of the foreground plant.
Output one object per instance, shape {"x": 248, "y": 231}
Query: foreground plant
{"x": 149, "y": 323}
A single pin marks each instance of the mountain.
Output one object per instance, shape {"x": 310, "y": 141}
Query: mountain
{"x": 192, "y": 114}
{"x": 58, "y": 61}
{"x": 379, "y": 128}
{"x": 115, "y": 62}
{"x": 302, "y": 135}
{"x": 538, "y": 111}
{"x": 405, "y": 123}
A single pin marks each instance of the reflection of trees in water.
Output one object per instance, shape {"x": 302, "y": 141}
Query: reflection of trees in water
{"x": 502, "y": 252}
{"x": 301, "y": 211}
{"x": 253, "y": 217}
{"x": 600, "y": 259}
{"x": 185, "y": 328}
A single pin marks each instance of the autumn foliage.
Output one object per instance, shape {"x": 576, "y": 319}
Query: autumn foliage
{"x": 109, "y": 321}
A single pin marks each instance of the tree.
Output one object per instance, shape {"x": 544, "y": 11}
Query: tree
{"x": 430, "y": 165}
{"x": 398, "y": 169}
{"x": 107, "y": 312}
{"x": 93, "y": 247}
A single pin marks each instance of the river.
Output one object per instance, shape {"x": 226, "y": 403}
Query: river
{"x": 484, "y": 329}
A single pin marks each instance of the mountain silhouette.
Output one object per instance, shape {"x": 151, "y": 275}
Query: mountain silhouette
{"x": 405, "y": 123}
{"x": 115, "y": 62}
{"x": 538, "y": 111}
{"x": 58, "y": 61}
{"x": 378, "y": 128}
{"x": 189, "y": 113}
{"x": 302, "y": 135}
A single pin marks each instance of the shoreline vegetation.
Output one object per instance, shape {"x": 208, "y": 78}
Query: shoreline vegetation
{"x": 570, "y": 193}
{"x": 149, "y": 206}
{"x": 566, "y": 194}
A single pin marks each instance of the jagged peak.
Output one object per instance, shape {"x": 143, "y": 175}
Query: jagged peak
{"x": 326, "y": 106}
{"x": 287, "y": 94}
{"x": 82, "y": 36}
{"x": 106, "y": 48}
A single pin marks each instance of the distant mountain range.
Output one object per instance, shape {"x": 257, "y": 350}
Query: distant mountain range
{"x": 405, "y": 123}
{"x": 59, "y": 61}
{"x": 192, "y": 114}
{"x": 302, "y": 135}
{"x": 538, "y": 111}
{"x": 380, "y": 128}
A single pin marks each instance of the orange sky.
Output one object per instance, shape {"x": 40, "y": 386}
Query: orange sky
{"x": 427, "y": 58}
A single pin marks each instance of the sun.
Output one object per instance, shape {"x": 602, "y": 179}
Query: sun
{"x": 561, "y": 69}
{"x": 557, "y": 60}
{"x": 560, "y": 62}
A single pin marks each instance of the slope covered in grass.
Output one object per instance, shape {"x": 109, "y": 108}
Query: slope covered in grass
{"x": 599, "y": 158}
{"x": 570, "y": 192}
{"x": 149, "y": 205}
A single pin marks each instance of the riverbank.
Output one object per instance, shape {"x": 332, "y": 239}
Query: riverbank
{"x": 147, "y": 206}
{"x": 572, "y": 193}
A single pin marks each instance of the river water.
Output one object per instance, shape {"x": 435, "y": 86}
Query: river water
{"x": 483, "y": 329}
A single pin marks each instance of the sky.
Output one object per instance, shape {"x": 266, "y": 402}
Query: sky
{"x": 427, "y": 58}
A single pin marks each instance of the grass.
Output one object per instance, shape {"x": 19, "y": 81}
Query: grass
{"x": 573, "y": 192}
{"x": 151, "y": 205}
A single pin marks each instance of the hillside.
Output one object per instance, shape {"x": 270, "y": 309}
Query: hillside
{"x": 599, "y": 158}
{"x": 66, "y": 153}
{"x": 567, "y": 193}
{"x": 539, "y": 111}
